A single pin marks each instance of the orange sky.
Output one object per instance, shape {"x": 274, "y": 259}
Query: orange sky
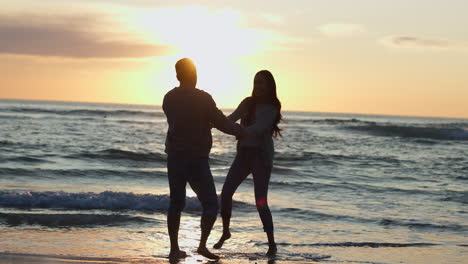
{"x": 396, "y": 57}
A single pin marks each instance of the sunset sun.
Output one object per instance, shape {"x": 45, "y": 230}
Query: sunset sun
{"x": 216, "y": 39}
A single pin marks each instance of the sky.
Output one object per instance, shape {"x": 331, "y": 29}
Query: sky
{"x": 394, "y": 57}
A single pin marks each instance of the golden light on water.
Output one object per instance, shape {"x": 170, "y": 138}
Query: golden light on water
{"x": 188, "y": 237}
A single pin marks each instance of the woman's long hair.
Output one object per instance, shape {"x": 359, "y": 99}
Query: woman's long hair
{"x": 272, "y": 98}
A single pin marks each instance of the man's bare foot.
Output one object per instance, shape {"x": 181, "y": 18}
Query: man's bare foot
{"x": 206, "y": 253}
{"x": 223, "y": 238}
{"x": 177, "y": 254}
{"x": 272, "y": 251}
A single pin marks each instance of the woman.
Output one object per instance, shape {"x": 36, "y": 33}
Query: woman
{"x": 260, "y": 114}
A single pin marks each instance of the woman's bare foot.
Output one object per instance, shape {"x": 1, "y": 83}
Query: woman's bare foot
{"x": 177, "y": 254}
{"x": 272, "y": 250}
{"x": 223, "y": 238}
{"x": 206, "y": 253}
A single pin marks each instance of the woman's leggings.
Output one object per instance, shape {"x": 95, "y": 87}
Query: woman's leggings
{"x": 248, "y": 160}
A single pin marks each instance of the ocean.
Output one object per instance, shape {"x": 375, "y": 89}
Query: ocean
{"x": 89, "y": 180}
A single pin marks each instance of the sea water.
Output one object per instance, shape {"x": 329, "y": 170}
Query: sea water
{"x": 87, "y": 179}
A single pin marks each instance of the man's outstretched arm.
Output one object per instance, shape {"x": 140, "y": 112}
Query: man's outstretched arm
{"x": 221, "y": 122}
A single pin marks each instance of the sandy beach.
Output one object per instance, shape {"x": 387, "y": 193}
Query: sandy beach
{"x": 367, "y": 255}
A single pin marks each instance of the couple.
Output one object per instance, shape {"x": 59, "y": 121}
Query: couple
{"x": 190, "y": 114}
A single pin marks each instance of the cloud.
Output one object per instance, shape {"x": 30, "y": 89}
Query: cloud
{"x": 273, "y": 18}
{"x": 341, "y": 29}
{"x": 410, "y": 42}
{"x": 72, "y": 37}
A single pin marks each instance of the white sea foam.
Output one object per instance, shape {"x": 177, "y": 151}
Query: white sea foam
{"x": 105, "y": 200}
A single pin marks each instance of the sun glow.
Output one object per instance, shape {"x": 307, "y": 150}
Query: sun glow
{"x": 200, "y": 32}
{"x": 216, "y": 39}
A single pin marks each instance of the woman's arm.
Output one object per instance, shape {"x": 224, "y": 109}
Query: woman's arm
{"x": 240, "y": 111}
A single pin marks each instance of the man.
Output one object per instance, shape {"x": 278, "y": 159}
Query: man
{"x": 190, "y": 114}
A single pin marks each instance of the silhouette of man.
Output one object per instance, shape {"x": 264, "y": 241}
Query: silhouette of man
{"x": 190, "y": 113}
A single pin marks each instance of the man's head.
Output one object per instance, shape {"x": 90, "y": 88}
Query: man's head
{"x": 186, "y": 72}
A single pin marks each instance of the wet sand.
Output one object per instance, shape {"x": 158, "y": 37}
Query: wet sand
{"x": 17, "y": 258}
{"x": 14, "y": 258}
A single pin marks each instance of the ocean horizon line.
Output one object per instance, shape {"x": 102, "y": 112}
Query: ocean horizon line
{"x": 230, "y": 108}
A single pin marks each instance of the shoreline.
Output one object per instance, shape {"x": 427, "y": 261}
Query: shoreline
{"x": 10, "y": 258}
{"x": 24, "y": 258}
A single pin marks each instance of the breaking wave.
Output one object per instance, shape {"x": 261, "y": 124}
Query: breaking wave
{"x": 108, "y": 200}
{"x": 113, "y": 154}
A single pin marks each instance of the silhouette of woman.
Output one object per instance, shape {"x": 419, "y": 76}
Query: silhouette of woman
{"x": 260, "y": 114}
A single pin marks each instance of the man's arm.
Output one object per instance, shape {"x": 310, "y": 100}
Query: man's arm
{"x": 164, "y": 104}
{"x": 221, "y": 122}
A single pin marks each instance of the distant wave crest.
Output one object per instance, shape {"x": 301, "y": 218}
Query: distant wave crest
{"x": 330, "y": 121}
{"x": 121, "y": 154}
{"x": 355, "y": 244}
{"x": 6, "y": 143}
{"x": 83, "y": 112}
{"x": 23, "y": 159}
{"x": 318, "y": 216}
{"x": 287, "y": 158}
{"x": 448, "y": 132}
{"x": 64, "y": 173}
{"x": 418, "y": 225}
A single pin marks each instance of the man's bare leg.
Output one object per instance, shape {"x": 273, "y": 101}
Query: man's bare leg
{"x": 173, "y": 223}
{"x": 207, "y": 222}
